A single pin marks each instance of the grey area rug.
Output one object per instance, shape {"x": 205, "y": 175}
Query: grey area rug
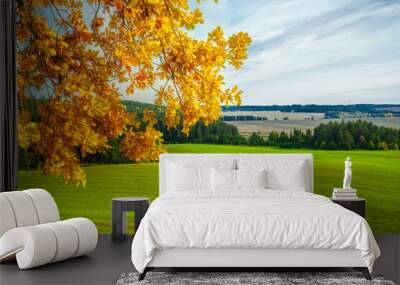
{"x": 269, "y": 278}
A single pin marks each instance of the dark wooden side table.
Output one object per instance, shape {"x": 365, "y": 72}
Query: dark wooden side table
{"x": 358, "y": 205}
{"x": 119, "y": 208}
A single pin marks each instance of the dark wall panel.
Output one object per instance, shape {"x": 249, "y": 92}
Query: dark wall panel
{"x": 8, "y": 98}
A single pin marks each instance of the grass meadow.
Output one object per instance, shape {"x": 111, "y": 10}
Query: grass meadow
{"x": 376, "y": 175}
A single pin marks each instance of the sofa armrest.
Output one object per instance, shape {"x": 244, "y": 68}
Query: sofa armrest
{"x": 32, "y": 246}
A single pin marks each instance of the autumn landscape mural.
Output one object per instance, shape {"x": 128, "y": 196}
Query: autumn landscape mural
{"x": 105, "y": 86}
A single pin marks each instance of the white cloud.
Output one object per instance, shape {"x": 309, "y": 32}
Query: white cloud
{"x": 314, "y": 51}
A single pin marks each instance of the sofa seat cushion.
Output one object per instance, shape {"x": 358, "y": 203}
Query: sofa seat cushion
{"x": 40, "y": 244}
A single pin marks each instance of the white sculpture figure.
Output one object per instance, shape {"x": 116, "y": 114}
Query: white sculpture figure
{"x": 347, "y": 173}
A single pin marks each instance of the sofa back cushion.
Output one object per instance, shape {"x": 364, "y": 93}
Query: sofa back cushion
{"x": 26, "y": 208}
{"x": 7, "y": 218}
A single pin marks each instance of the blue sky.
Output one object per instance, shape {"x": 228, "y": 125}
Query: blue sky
{"x": 312, "y": 51}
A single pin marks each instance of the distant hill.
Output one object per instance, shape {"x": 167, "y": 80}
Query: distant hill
{"x": 312, "y": 108}
{"x": 330, "y": 111}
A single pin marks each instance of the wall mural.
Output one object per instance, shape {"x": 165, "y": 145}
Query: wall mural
{"x": 105, "y": 86}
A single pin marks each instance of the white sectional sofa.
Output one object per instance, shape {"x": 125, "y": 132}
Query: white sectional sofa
{"x": 31, "y": 231}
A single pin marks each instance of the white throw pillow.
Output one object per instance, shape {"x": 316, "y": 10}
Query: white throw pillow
{"x": 292, "y": 179}
{"x": 223, "y": 179}
{"x": 251, "y": 179}
{"x": 181, "y": 177}
{"x": 285, "y": 174}
{"x": 204, "y": 160}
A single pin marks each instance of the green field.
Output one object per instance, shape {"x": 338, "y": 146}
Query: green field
{"x": 246, "y": 128}
{"x": 376, "y": 175}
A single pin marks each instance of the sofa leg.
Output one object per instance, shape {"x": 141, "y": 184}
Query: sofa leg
{"x": 364, "y": 271}
{"x": 143, "y": 274}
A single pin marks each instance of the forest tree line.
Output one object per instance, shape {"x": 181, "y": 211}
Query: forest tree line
{"x": 331, "y": 136}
